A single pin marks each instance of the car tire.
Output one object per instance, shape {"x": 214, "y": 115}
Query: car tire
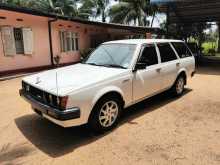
{"x": 179, "y": 86}
{"x": 105, "y": 114}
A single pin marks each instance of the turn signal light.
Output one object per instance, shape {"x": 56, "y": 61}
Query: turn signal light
{"x": 63, "y": 102}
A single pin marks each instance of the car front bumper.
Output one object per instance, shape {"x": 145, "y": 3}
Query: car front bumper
{"x": 63, "y": 118}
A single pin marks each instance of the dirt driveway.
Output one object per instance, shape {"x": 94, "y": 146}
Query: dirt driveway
{"x": 161, "y": 130}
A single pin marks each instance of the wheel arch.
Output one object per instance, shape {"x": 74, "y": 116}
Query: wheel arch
{"x": 109, "y": 91}
{"x": 103, "y": 94}
{"x": 183, "y": 73}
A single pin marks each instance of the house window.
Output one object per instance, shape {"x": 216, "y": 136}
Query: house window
{"x": 19, "y": 44}
{"x": 62, "y": 41}
{"x": 17, "y": 40}
{"x": 69, "y": 41}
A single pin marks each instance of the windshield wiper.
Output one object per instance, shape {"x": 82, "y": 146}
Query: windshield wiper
{"x": 107, "y": 65}
{"x": 114, "y": 66}
{"x": 91, "y": 64}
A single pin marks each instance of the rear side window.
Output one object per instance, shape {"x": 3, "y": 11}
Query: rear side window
{"x": 166, "y": 52}
{"x": 149, "y": 55}
{"x": 181, "y": 49}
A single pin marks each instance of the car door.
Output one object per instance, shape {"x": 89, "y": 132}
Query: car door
{"x": 147, "y": 81}
{"x": 170, "y": 64}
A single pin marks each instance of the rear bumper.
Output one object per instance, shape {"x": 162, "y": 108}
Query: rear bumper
{"x": 55, "y": 115}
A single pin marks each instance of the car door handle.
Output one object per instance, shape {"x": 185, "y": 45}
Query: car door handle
{"x": 158, "y": 70}
{"x": 178, "y": 64}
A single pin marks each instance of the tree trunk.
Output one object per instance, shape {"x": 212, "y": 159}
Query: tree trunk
{"x": 152, "y": 21}
{"x": 145, "y": 23}
{"x": 103, "y": 16}
{"x": 139, "y": 21}
{"x": 218, "y": 36}
{"x": 135, "y": 22}
{"x": 200, "y": 40}
{"x": 168, "y": 21}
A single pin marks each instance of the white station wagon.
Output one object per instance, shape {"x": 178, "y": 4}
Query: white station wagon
{"x": 116, "y": 75}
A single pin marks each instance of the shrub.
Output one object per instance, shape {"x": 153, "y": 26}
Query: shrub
{"x": 211, "y": 52}
{"x": 85, "y": 52}
{"x": 57, "y": 60}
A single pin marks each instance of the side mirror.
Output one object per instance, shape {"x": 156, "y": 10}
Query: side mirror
{"x": 140, "y": 66}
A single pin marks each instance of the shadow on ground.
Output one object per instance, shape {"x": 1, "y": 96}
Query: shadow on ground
{"x": 209, "y": 66}
{"x": 56, "y": 141}
{"x": 209, "y": 70}
{"x": 9, "y": 154}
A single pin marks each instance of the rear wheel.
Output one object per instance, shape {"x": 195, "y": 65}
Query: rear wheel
{"x": 105, "y": 114}
{"x": 178, "y": 87}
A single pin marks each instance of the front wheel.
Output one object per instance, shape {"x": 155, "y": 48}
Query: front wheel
{"x": 105, "y": 114}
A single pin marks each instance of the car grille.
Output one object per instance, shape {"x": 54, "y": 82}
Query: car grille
{"x": 41, "y": 96}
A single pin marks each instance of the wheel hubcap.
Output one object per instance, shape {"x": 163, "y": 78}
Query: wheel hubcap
{"x": 108, "y": 114}
{"x": 180, "y": 86}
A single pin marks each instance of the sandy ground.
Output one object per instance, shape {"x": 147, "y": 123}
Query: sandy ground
{"x": 161, "y": 131}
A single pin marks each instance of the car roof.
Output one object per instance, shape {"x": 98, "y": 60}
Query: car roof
{"x": 141, "y": 41}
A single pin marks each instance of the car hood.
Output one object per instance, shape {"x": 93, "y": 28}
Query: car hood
{"x": 64, "y": 80}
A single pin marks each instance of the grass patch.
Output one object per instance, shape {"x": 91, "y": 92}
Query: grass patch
{"x": 209, "y": 46}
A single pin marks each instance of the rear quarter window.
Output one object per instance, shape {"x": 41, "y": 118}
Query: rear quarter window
{"x": 182, "y": 50}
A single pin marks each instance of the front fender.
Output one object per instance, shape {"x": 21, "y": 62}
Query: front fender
{"x": 104, "y": 91}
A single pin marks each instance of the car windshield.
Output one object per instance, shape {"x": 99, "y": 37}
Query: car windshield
{"x": 112, "y": 55}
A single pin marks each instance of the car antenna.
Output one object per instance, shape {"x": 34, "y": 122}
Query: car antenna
{"x": 57, "y": 83}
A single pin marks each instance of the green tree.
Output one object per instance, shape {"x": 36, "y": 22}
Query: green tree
{"x": 185, "y": 31}
{"x": 22, "y": 3}
{"x": 61, "y": 7}
{"x": 152, "y": 10}
{"x": 133, "y": 11}
{"x": 95, "y": 8}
